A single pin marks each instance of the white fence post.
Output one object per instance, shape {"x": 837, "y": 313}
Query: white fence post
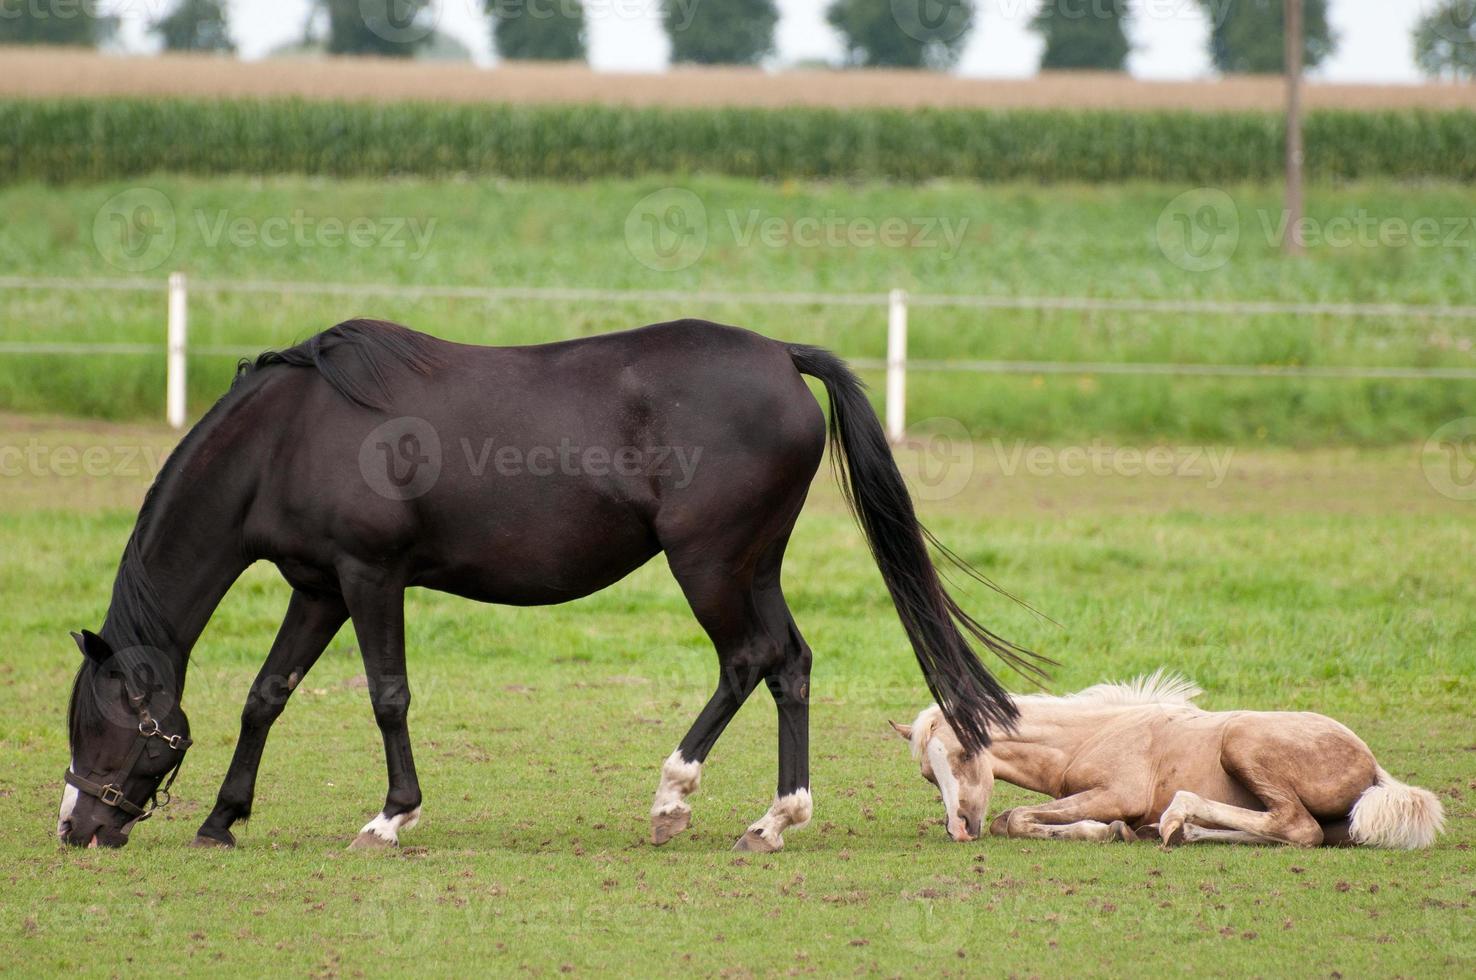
{"x": 896, "y": 365}
{"x": 174, "y": 384}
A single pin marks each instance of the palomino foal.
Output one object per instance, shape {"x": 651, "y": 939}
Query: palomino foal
{"x": 1120, "y": 759}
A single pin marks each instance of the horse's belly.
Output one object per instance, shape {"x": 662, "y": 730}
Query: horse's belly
{"x": 534, "y": 563}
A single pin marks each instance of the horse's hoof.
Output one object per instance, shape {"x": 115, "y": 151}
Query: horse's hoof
{"x": 1171, "y": 832}
{"x": 756, "y": 842}
{"x": 665, "y": 826}
{"x": 1119, "y": 831}
{"x": 1001, "y": 825}
{"x": 370, "y": 841}
{"x": 202, "y": 840}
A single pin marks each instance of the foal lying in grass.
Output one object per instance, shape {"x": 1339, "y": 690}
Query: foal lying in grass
{"x": 1135, "y": 760}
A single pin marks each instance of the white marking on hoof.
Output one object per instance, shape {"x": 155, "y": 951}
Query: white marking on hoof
{"x": 792, "y": 810}
{"x": 679, "y": 779}
{"x": 670, "y": 812}
{"x": 387, "y": 829}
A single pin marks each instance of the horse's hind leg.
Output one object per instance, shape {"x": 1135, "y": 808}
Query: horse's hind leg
{"x": 724, "y": 607}
{"x": 1285, "y": 821}
{"x": 742, "y": 610}
{"x": 789, "y": 684}
{"x": 311, "y": 622}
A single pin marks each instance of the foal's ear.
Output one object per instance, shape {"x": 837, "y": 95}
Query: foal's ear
{"x": 904, "y": 730}
{"x": 93, "y": 647}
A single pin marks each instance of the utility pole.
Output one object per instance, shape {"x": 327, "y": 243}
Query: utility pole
{"x": 1295, "y": 47}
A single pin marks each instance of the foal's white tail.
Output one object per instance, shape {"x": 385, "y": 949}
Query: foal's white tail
{"x": 1391, "y": 814}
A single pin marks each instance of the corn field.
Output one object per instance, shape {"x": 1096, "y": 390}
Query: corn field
{"x": 105, "y": 138}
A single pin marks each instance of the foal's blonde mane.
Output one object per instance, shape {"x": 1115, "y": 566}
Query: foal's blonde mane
{"x": 1160, "y": 687}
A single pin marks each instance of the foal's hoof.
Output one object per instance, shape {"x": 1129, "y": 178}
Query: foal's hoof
{"x": 755, "y": 841}
{"x": 1171, "y": 832}
{"x": 202, "y": 840}
{"x": 369, "y": 841}
{"x": 1119, "y": 831}
{"x": 665, "y": 826}
{"x": 1001, "y": 825}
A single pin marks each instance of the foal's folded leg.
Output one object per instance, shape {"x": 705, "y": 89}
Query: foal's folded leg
{"x": 1093, "y": 815}
{"x": 1285, "y": 821}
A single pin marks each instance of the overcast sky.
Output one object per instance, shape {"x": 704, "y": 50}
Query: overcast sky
{"x": 626, "y": 35}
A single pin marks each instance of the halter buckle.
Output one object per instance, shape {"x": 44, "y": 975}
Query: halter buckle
{"x": 110, "y": 795}
{"x": 173, "y": 741}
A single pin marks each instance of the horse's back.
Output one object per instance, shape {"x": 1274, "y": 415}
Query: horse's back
{"x": 539, "y": 474}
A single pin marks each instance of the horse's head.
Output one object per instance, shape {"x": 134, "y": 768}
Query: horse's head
{"x": 127, "y": 733}
{"x": 965, "y": 781}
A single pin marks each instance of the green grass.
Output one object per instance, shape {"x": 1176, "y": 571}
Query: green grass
{"x": 1333, "y": 580}
{"x": 1021, "y": 240}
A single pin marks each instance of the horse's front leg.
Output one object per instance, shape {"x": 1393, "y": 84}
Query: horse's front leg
{"x": 311, "y": 622}
{"x": 376, "y": 603}
{"x": 1094, "y": 815}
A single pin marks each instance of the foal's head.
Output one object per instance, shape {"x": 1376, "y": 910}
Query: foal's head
{"x": 966, "y": 781}
{"x": 127, "y": 733}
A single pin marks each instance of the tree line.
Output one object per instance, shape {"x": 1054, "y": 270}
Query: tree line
{"x": 1246, "y": 36}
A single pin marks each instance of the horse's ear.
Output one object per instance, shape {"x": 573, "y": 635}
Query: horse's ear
{"x": 904, "y": 730}
{"x": 93, "y": 647}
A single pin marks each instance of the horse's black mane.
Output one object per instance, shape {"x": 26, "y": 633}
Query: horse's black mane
{"x": 136, "y": 626}
{"x": 376, "y": 344}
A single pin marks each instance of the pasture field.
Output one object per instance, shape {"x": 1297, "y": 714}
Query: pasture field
{"x": 35, "y": 72}
{"x": 699, "y": 233}
{"x": 1335, "y": 580}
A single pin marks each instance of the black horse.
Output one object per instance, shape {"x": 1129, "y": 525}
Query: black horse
{"x": 372, "y": 458}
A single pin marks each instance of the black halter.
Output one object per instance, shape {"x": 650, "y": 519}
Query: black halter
{"x": 110, "y": 791}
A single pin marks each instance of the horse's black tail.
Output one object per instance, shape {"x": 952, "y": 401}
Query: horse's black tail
{"x": 970, "y": 697}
